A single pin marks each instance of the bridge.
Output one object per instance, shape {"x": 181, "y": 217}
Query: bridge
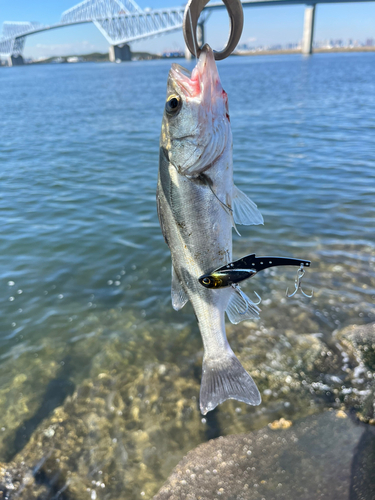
{"x": 123, "y": 21}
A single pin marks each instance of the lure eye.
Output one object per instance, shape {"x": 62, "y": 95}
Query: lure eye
{"x": 173, "y": 104}
{"x": 206, "y": 281}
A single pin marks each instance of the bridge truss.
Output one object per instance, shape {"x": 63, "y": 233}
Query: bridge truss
{"x": 12, "y": 40}
{"x": 120, "y": 21}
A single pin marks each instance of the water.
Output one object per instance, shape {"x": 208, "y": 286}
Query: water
{"x": 82, "y": 258}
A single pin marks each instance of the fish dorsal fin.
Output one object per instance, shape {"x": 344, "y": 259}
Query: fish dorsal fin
{"x": 179, "y": 297}
{"x": 244, "y": 210}
{"x": 240, "y": 307}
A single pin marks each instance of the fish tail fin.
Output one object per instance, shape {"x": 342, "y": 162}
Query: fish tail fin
{"x": 225, "y": 378}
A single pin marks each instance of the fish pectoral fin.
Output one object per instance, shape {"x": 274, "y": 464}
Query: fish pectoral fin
{"x": 240, "y": 307}
{"x": 179, "y": 297}
{"x": 225, "y": 378}
{"x": 244, "y": 210}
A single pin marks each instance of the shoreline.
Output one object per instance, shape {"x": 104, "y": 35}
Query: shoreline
{"x": 298, "y": 51}
{"x": 139, "y": 56}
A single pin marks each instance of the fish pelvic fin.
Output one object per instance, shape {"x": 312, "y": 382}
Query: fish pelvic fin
{"x": 225, "y": 378}
{"x": 240, "y": 307}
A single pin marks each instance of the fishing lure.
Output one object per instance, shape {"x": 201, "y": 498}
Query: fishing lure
{"x": 245, "y": 268}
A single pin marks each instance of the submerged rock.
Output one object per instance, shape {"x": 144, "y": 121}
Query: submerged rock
{"x": 358, "y": 345}
{"x": 125, "y": 427}
{"x": 320, "y": 457}
{"x": 118, "y": 435}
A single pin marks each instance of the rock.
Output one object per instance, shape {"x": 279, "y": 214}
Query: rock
{"x": 280, "y": 424}
{"x": 360, "y": 343}
{"x": 36, "y": 380}
{"x": 363, "y": 471}
{"x": 358, "y": 346}
{"x": 320, "y": 457}
{"x": 297, "y": 374}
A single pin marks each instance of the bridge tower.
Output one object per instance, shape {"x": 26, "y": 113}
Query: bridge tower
{"x": 120, "y": 53}
{"x": 308, "y": 30}
{"x": 15, "y": 60}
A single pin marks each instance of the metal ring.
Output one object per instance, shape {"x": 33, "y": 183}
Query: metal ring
{"x": 193, "y": 11}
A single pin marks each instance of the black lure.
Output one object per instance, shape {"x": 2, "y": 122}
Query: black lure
{"x": 246, "y": 268}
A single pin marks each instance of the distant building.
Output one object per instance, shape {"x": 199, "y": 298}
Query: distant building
{"x": 74, "y": 59}
{"x": 173, "y": 54}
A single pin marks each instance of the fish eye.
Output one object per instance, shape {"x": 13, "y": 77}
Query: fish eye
{"x": 173, "y": 104}
{"x": 206, "y": 281}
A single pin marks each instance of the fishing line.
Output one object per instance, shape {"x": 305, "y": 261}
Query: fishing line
{"x": 193, "y": 33}
{"x": 224, "y": 205}
{"x": 203, "y": 178}
{"x": 227, "y": 209}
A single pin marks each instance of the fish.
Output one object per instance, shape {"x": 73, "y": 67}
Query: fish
{"x": 198, "y": 206}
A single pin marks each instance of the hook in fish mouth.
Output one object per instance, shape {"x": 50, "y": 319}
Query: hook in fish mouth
{"x": 203, "y": 82}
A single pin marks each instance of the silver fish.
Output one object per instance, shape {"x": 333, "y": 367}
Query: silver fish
{"x": 198, "y": 204}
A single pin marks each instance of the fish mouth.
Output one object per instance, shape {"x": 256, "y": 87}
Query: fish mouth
{"x": 204, "y": 79}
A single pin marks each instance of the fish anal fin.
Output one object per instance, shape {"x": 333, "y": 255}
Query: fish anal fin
{"x": 240, "y": 307}
{"x": 244, "y": 210}
{"x": 179, "y": 297}
{"x": 225, "y": 378}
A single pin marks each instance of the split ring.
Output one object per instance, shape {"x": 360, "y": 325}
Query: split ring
{"x": 193, "y": 11}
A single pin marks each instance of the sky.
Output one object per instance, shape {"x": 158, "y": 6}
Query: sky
{"x": 263, "y": 26}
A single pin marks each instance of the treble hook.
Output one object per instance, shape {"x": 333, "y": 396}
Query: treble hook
{"x": 298, "y": 284}
{"x": 193, "y": 11}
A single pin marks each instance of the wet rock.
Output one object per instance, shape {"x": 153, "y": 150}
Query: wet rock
{"x": 363, "y": 471}
{"x": 14, "y": 477}
{"x": 320, "y": 457}
{"x": 358, "y": 346}
{"x": 297, "y": 374}
{"x": 36, "y": 380}
{"x": 360, "y": 343}
{"x": 19, "y": 400}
